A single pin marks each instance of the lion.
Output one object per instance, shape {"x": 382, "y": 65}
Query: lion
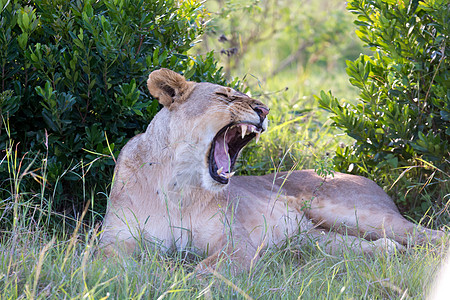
{"x": 174, "y": 187}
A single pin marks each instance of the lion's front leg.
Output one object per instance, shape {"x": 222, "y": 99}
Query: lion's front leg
{"x": 118, "y": 240}
{"x": 239, "y": 259}
{"x": 234, "y": 249}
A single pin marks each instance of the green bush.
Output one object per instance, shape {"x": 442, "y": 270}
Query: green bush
{"x": 73, "y": 86}
{"x": 401, "y": 121}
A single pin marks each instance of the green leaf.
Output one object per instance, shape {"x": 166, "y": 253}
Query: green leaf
{"x": 23, "y": 39}
{"x": 189, "y": 73}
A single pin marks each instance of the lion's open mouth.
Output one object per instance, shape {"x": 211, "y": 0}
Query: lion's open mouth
{"x": 226, "y": 146}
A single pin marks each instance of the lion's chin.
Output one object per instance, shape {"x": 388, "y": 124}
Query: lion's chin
{"x": 212, "y": 185}
{"x": 225, "y": 148}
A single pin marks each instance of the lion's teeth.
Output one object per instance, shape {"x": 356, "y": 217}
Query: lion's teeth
{"x": 229, "y": 175}
{"x": 219, "y": 171}
{"x": 253, "y": 128}
{"x": 244, "y": 130}
{"x": 258, "y": 134}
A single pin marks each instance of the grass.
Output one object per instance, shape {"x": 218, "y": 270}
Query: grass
{"x": 35, "y": 265}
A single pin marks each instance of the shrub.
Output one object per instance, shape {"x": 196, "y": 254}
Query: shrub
{"x": 401, "y": 121}
{"x": 72, "y": 83}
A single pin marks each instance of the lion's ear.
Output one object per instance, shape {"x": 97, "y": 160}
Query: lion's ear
{"x": 168, "y": 87}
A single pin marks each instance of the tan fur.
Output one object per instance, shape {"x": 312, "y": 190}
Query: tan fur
{"x": 163, "y": 192}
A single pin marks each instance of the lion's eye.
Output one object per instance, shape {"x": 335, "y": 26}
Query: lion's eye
{"x": 222, "y": 94}
{"x": 226, "y": 96}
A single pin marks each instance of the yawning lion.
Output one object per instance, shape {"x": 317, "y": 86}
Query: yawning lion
{"x": 174, "y": 186}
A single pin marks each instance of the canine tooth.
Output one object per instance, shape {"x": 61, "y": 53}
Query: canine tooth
{"x": 244, "y": 130}
{"x": 258, "y": 134}
{"x": 219, "y": 171}
{"x": 229, "y": 175}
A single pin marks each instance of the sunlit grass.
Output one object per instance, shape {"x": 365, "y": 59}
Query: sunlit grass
{"x": 300, "y": 135}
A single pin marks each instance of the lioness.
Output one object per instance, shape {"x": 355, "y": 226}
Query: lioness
{"x": 173, "y": 186}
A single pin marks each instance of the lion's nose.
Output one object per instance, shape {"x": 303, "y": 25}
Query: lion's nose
{"x": 261, "y": 111}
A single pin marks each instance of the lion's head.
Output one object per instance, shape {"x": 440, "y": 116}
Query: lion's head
{"x": 207, "y": 125}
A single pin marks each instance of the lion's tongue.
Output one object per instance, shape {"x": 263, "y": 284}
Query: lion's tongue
{"x": 221, "y": 155}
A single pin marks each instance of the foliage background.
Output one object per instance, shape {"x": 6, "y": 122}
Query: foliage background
{"x": 73, "y": 88}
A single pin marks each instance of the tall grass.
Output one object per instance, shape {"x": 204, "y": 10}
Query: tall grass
{"x": 36, "y": 265}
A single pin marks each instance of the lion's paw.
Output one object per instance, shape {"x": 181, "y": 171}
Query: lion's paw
{"x": 388, "y": 246}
